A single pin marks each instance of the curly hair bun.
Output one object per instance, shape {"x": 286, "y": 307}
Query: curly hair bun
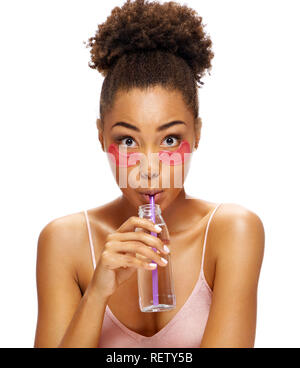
{"x": 140, "y": 26}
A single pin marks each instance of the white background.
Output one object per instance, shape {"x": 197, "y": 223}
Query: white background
{"x": 52, "y": 163}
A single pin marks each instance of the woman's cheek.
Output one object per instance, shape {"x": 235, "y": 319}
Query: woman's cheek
{"x": 122, "y": 159}
{"x": 177, "y": 157}
{"x": 177, "y": 161}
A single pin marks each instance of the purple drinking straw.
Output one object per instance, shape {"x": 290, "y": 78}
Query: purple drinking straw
{"x": 154, "y": 272}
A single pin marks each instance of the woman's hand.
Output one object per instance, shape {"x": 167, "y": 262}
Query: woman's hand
{"x": 124, "y": 251}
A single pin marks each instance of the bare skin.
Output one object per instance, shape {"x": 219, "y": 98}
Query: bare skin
{"x": 70, "y": 292}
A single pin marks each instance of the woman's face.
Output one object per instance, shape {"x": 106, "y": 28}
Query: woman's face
{"x": 149, "y": 136}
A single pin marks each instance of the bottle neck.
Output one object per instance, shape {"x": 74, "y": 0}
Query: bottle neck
{"x": 146, "y": 210}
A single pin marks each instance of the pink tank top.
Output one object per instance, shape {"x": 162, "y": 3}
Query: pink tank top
{"x": 186, "y": 328}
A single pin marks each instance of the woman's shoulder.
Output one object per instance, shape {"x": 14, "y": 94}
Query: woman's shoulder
{"x": 63, "y": 225}
{"x": 63, "y": 236}
{"x": 225, "y": 212}
{"x": 235, "y": 215}
{"x": 73, "y": 224}
{"x": 236, "y": 228}
{"x": 69, "y": 232}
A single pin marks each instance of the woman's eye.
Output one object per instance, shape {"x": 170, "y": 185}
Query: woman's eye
{"x": 126, "y": 141}
{"x": 172, "y": 140}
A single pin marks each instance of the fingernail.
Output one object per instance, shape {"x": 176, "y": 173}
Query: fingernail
{"x": 158, "y": 228}
{"x": 164, "y": 260}
{"x": 152, "y": 265}
{"x": 166, "y": 248}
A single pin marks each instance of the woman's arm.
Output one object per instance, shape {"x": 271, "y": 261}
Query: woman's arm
{"x": 65, "y": 318}
{"x": 239, "y": 249}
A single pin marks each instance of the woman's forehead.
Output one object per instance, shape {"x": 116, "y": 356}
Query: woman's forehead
{"x": 154, "y": 106}
{"x": 148, "y": 95}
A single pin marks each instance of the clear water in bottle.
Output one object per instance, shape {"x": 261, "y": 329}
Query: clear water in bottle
{"x": 156, "y": 287}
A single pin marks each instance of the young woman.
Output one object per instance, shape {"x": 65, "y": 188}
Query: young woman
{"x": 152, "y": 55}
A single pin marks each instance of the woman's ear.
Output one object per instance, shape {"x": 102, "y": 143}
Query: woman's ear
{"x": 198, "y": 125}
{"x": 100, "y": 133}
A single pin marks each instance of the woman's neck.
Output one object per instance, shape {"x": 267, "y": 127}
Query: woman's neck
{"x": 178, "y": 215}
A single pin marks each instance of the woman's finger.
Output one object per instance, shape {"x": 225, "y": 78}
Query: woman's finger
{"x": 132, "y": 222}
{"x": 137, "y": 248}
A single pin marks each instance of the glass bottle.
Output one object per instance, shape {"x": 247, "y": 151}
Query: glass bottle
{"x": 156, "y": 287}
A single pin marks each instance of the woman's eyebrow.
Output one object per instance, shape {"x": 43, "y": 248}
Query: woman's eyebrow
{"x": 160, "y": 128}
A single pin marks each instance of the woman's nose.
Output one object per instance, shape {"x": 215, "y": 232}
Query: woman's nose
{"x": 149, "y": 165}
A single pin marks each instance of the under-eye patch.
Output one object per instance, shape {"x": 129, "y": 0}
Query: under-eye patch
{"x": 176, "y": 157}
{"x": 123, "y": 159}
{"x": 171, "y": 158}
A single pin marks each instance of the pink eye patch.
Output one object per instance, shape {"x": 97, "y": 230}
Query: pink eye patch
{"x": 176, "y": 157}
{"x": 171, "y": 158}
{"x": 123, "y": 159}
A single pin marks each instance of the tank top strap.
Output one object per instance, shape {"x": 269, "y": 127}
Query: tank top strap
{"x": 205, "y": 237}
{"x": 90, "y": 238}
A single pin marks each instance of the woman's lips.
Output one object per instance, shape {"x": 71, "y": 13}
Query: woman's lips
{"x": 157, "y": 197}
